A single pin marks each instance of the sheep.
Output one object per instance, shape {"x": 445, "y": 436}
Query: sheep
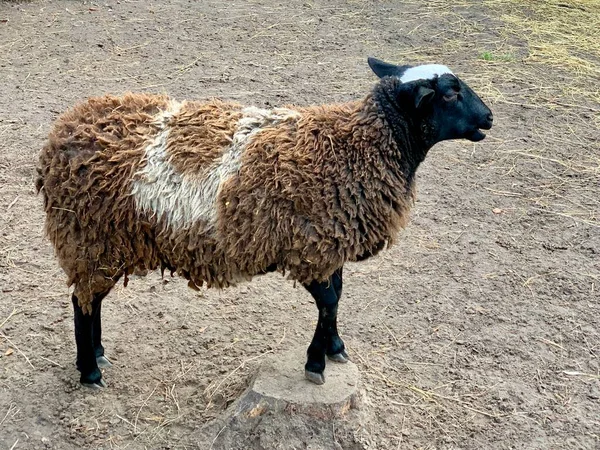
{"x": 220, "y": 193}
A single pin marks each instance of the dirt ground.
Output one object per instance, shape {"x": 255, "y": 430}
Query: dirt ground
{"x": 480, "y": 329}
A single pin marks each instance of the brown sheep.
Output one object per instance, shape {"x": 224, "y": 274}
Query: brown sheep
{"x": 220, "y": 193}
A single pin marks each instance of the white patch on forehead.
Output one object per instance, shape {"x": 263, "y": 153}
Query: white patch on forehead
{"x": 184, "y": 200}
{"x": 424, "y": 72}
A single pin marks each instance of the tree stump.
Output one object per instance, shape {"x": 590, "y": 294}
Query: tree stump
{"x": 280, "y": 386}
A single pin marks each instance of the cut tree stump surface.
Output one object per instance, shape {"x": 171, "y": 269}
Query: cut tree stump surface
{"x": 280, "y": 385}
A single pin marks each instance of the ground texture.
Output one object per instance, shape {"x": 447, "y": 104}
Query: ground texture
{"x": 480, "y": 329}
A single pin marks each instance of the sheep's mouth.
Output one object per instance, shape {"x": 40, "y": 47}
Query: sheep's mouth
{"x": 476, "y": 135}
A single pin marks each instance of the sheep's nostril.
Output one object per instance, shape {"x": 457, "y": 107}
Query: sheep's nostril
{"x": 490, "y": 118}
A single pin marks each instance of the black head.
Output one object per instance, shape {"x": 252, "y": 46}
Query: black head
{"x": 439, "y": 99}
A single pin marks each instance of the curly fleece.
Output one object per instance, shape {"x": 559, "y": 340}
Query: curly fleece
{"x": 218, "y": 192}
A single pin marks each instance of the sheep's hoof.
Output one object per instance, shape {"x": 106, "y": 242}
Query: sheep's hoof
{"x": 92, "y": 379}
{"x": 341, "y": 357}
{"x": 103, "y": 362}
{"x": 314, "y": 377}
{"x": 97, "y": 385}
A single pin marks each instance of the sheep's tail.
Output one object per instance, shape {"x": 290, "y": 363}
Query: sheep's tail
{"x": 39, "y": 186}
{"x": 39, "y": 182}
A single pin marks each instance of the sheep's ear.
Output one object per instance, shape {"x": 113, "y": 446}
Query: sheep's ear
{"x": 423, "y": 96}
{"x": 383, "y": 69}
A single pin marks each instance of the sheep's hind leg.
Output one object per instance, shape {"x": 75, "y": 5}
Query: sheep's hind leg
{"x": 86, "y": 357}
{"x": 101, "y": 359}
{"x": 325, "y": 340}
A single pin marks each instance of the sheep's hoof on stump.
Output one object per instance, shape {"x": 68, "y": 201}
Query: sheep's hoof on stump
{"x": 341, "y": 357}
{"x": 279, "y": 387}
{"x": 103, "y": 362}
{"x": 317, "y": 378}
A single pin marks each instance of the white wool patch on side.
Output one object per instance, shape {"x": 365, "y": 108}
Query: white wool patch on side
{"x": 147, "y": 187}
{"x": 424, "y": 72}
{"x": 183, "y": 200}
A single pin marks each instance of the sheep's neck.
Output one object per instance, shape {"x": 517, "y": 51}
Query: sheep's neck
{"x": 366, "y": 144}
{"x": 381, "y": 185}
{"x": 409, "y": 137}
{"x": 355, "y": 155}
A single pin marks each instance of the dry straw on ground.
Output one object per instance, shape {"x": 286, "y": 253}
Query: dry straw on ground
{"x": 542, "y": 57}
{"x": 433, "y": 379}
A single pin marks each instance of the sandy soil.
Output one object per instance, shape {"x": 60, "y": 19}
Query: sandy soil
{"x": 480, "y": 329}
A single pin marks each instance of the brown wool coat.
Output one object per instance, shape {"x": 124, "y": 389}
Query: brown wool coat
{"x": 312, "y": 192}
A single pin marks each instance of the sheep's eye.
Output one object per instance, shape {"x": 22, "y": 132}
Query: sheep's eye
{"x": 451, "y": 97}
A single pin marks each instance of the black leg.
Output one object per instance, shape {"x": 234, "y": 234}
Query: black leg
{"x": 325, "y": 340}
{"x": 102, "y": 361}
{"x": 336, "y": 351}
{"x": 86, "y": 358}
{"x": 336, "y": 279}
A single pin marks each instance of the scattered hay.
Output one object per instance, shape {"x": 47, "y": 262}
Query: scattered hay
{"x": 542, "y": 58}
{"x": 561, "y": 33}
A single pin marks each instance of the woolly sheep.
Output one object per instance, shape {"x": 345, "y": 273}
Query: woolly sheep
{"x": 220, "y": 193}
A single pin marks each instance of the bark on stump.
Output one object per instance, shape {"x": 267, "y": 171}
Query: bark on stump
{"x": 280, "y": 386}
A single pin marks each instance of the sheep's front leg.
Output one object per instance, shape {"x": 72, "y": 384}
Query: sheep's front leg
{"x": 326, "y": 340}
{"x": 336, "y": 351}
{"x": 86, "y": 355}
